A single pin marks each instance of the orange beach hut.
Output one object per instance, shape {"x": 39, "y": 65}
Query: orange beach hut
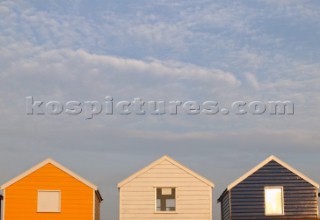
{"x": 52, "y": 192}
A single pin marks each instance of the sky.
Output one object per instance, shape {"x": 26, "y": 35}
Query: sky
{"x": 223, "y": 51}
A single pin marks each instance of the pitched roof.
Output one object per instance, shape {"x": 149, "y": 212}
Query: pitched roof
{"x": 263, "y": 163}
{"x": 165, "y": 158}
{"x": 54, "y": 163}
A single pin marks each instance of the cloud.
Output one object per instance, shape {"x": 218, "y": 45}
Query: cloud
{"x": 166, "y": 50}
{"x": 251, "y": 78}
{"x": 291, "y": 8}
{"x": 66, "y": 74}
{"x": 91, "y": 71}
{"x": 213, "y": 64}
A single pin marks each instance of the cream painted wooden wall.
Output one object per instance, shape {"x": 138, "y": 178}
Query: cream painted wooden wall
{"x": 193, "y": 196}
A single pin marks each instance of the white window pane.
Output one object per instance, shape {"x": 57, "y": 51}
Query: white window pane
{"x": 273, "y": 201}
{"x": 171, "y": 203}
{"x": 48, "y": 201}
{"x": 158, "y": 205}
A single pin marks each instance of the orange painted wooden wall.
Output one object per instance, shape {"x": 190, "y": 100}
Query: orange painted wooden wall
{"x": 21, "y": 197}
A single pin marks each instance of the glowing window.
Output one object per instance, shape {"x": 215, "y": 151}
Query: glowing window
{"x": 273, "y": 199}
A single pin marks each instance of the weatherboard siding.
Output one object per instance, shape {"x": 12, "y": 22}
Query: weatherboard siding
{"x": 225, "y": 206}
{"x": 247, "y": 198}
{"x": 21, "y": 196}
{"x": 193, "y": 196}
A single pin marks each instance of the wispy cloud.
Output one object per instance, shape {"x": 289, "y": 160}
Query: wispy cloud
{"x": 166, "y": 50}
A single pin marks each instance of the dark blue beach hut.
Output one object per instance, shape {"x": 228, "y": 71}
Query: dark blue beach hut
{"x": 271, "y": 190}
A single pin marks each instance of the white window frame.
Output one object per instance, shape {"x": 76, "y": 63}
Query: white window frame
{"x": 59, "y": 207}
{"x": 282, "y": 201}
{"x": 155, "y": 199}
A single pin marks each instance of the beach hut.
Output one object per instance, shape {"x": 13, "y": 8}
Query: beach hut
{"x": 165, "y": 189}
{"x": 271, "y": 190}
{"x": 52, "y": 192}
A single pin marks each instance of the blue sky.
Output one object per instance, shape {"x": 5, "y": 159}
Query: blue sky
{"x": 224, "y": 51}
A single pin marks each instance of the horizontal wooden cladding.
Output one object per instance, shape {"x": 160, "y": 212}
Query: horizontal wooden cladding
{"x": 294, "y": 200}
{"x": 21, "y": 197}
{"x": 34, "y": 190}
{"x": 152, "y": 188}
{"x": 163, "y": 182}
{"x": 181, "y": 202}
{"x": 193, "y": 196}
{"x": 247, "y": 198}
{"x": 48, "y": 216}
{"x": 64, "y": 182}
{"x": 225, "y": 207}
{"x": 160, "y": 216}
{"x": 165, "y": 175}
{"x": 286, "y": 216}
{"x": 164, "y": 166}
{"x": 176, "y": 179}
{"x": 182, "y": 191}
{"x": 11, "y": 212}
{"x": 180, "y": 195}
{"x": 165, "y": 171}
{"x": 150, "y": 209}
{"x": 258, "y": 201}
{"x": 201, "y": 199}
{"x": 289, "y": 189}
{"x": 276, "y": 217}
{"x": 47, "y": 186}
{"x": 64, "y": 203}
{"x": 275, "y": 182}
{"x": 273, "y": 217}
{"x": 252, "y": 208}
{"x": 257, "y": 213}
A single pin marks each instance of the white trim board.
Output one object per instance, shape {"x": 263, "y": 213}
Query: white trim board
{"x": 3, "y": 204}
{"x": 94, "y": 206}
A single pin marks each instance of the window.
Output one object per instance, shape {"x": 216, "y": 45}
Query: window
{"x": 273, "y": 199}
{"x": 166, "y": 199}
{"x": 49, "y": 201}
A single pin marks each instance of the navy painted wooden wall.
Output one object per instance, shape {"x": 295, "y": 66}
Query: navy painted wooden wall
{"x": 246, "y": 200}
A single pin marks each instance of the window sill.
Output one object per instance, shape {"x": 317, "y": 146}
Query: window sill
{"x": 274, "y": 215}
{"x": 165, "y": 212}
{"x": 48, "y": 211}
